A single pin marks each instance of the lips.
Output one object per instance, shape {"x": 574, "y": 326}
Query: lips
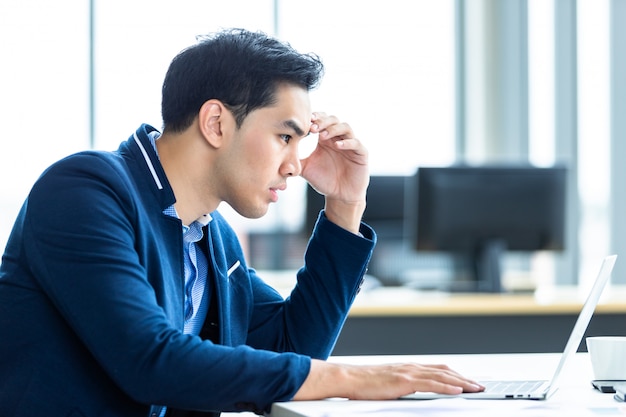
{"x": 273, "y": 195}
{"x": 274, "y": 192}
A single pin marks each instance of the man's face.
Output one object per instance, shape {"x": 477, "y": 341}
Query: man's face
{"x": 263, "y": 152}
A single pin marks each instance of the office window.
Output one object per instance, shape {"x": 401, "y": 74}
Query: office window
{"x": 594, "y": 134}
{"x": 592, "y": 157}
{"x": 541, "y": 110}
{"x": 541, "y": 105}
{"x": 44, "y": 78}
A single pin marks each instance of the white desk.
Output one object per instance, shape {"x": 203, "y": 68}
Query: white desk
{"x": 575, "y": 396}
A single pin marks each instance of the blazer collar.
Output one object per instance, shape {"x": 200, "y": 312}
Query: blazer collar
{"x": 148, "y": 165}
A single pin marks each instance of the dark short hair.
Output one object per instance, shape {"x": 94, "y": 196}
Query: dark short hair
{"x": 240, "y": 68}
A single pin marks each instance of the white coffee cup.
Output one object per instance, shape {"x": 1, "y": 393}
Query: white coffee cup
{"x": 608, "y": 357}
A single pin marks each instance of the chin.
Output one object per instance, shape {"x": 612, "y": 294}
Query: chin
{"x": 252, "y": 212}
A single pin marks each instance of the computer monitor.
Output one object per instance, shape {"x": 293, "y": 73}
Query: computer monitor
{"x": 484, "y": 211}
{"x": 385, "y": 213}
{"x": 384, "y": 210}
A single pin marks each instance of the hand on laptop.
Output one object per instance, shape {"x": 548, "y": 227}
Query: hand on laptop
{"x": 381, "y": 382}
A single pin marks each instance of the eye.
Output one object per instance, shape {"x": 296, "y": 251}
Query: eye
{"x": 286, "y": 138}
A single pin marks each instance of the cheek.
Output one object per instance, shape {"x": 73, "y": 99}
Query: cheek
{"x": 264, "y": 156}
{"x": 261, "y": 146}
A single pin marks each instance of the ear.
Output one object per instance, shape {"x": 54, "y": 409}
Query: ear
{"x": 210, "y": 122}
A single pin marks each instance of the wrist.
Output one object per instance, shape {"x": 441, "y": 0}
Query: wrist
{"x": 325, "y": 380}
{"x": 346, "y": 215}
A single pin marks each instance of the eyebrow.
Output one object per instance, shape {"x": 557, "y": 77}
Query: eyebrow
{"x": 294, "y": 126}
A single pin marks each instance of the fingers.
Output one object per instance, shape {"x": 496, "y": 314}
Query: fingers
{"x": 396, "y": 380}
{"x": 441, "y": 379}
{"x": 330, "y": 127}
{"x": 339, "y": 134}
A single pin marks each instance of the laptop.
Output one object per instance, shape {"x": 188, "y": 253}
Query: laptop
{"x": 540, "y": 389}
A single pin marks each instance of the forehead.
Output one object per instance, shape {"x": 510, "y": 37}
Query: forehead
{"x": 291, "y": 110}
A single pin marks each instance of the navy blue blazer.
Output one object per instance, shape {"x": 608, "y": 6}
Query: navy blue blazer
{"x": 91, "y": 300}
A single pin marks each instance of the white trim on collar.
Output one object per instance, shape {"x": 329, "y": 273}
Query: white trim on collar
{"x": 148, "y": 162}
{"x": 204, "y": 219}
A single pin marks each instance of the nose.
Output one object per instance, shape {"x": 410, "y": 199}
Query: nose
{"x": 292, "y": 166}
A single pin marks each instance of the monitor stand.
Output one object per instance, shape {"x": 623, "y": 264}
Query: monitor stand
{"x": 487, "y": 266}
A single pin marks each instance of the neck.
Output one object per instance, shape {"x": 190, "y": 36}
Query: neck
{"x": 186, "y": 162}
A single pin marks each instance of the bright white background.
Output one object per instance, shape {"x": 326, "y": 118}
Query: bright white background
{"x": 389, "y": 72}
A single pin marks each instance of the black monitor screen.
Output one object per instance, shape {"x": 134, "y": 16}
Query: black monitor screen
{"x": 385, "y": 205}
{"x": 486, "y": 210}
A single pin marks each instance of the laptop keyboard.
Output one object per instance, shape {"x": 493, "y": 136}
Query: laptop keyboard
{"x": 512, "y": 388}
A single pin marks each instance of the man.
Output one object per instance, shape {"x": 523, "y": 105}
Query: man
{"x": 123, "y": 292}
